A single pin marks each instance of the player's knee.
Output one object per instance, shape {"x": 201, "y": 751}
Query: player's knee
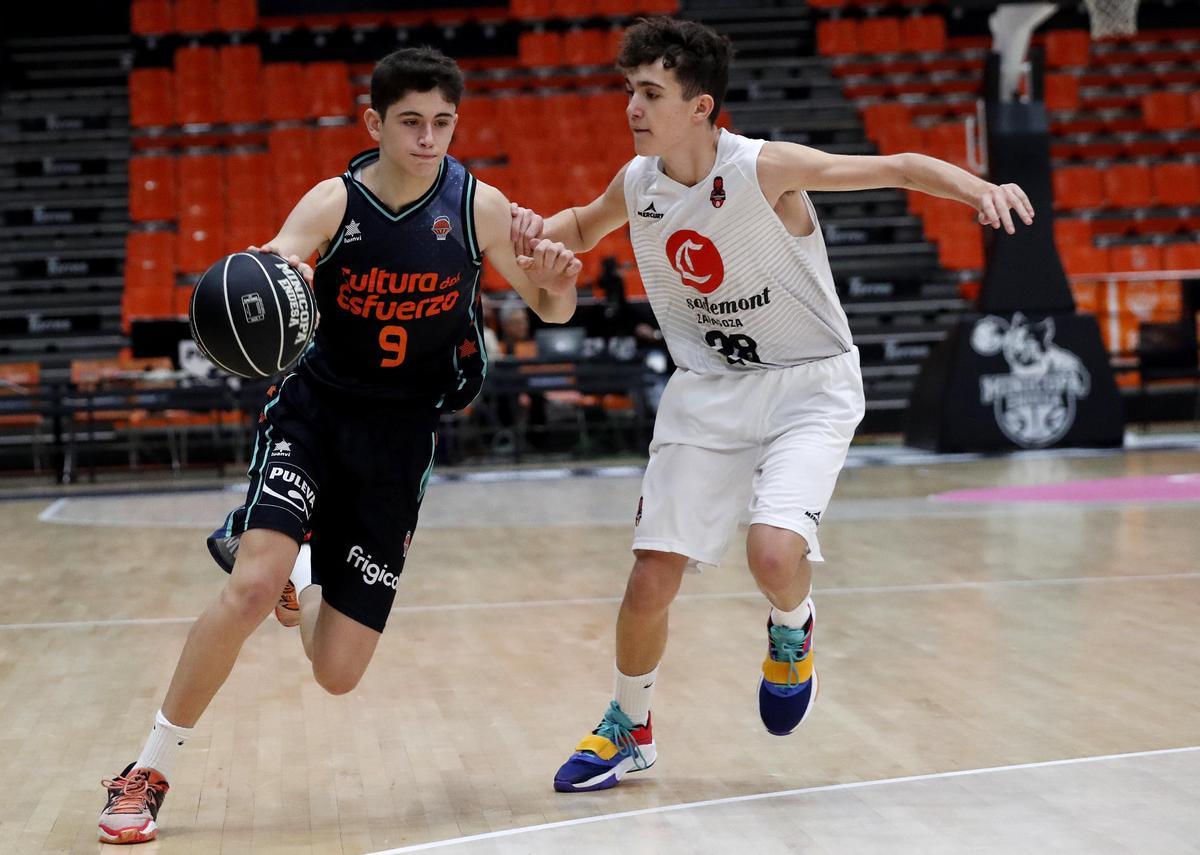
{"x": 654, "y": 582}
{"x": 334, "y": 679}
{"x": 250, "y": 596}
{"x": 774, "y": 569}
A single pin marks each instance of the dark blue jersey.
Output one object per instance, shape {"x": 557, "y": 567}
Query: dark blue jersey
{"x": 398, "y": 293}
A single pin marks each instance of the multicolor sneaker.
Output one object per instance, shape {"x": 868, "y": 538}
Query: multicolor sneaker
{"x": 788, "y": 686}
{"x": 134, "y": 798}
{"x": 287, "y": 610}
{"x": 604, "y": 756}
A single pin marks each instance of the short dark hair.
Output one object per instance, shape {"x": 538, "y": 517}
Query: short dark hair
{"x": 416, "y": 69}
{"x": 699, "y": 55}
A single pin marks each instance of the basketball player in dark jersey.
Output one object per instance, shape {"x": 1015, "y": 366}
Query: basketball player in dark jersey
{"x": 345, "y": 444}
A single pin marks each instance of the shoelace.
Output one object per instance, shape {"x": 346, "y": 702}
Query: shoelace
{"x": 617, "y": 728}
{"x": 136, "y": 793}
{"x": 788, "y": 643}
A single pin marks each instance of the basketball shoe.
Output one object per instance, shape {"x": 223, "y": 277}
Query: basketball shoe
{"x": 134, "y": 798}
{"x": 603, "y": 757}
{"x": 788, "y": 686}
{"x": 287, "y": 610}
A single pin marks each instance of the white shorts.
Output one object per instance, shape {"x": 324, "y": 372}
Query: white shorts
{"x": 772, "y": 441}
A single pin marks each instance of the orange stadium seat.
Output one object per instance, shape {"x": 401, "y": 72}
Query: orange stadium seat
{"x": 250, "y": 209}
{"x": 1078, "y": 187}
{"x": 1067, "y": 48}
{"x": 195, "y": 16}
{"x": 284, "y": 97}
{"x": 530, "y": 9}
{"x": 575, "y": 8}
{"x": 1181, "y": 256}
{"x": 879, "y": 118}
{"x": 1127, "y": 185}
{"x": 1137, "y": 257}
{"x": 293, "y": 167}
{"x": 149, "y": 260}
{"x": 585, "y": 47}
{"x": 240, "y": 72}
{"x": 838, "y": 37}
{"x": 960, "y": 247}
{"x": 1072, "y": 233}
{"x": 151, "y": 188}
{"x": 1166, "y": 111}
{"x": 237, "y": 15}
{"x": 201, "y": 229}
{"x": 1080, "y": 260}
{"x": 328, "y": 87}
{"x": 150, "y": 17}
{"x": 334, "y": 145}
{"x": 1062, "y": 92}
{"x": 540, "y": 49}
{"x": 924, "y": 33}
{"x": 151, "y": 97}
{"x": 880, "y": 35}
{"x": 196, "y": 85}
{"x": 200, "y": 240}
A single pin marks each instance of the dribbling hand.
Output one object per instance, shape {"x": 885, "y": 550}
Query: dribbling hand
{"x": 994, "y": 205}
{"x": 551, "y": 266}
{"x": 526, "y": 227}
{"x": 300, "y": 266}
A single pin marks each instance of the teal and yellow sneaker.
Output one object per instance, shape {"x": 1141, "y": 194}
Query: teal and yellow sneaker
{"x": 788, "y": 686}
{"x": 604, "y": 756}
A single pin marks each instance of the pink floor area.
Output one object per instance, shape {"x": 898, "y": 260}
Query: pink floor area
{"x": 1152, "y": 488}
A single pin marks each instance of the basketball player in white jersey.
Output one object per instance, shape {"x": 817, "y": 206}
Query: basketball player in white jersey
{"x": 768, "y": 391}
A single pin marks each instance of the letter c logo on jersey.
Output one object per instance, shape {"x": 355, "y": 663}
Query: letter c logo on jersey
{"x": 696, "y": 260}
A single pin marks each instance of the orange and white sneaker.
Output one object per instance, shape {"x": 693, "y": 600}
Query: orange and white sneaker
{"x": 287, "y": 610}
{"x": 134, "y": 798}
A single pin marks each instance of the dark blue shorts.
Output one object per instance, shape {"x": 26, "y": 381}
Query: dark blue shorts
{"x": 346, "y": 475}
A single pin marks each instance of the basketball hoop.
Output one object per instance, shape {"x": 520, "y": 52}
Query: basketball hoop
{"x": 1112, "y": 17}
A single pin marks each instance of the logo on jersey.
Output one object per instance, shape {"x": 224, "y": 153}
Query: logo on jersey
{"x": 383, "y": 295}
{"x": 717, "y": 196}
{"x": 281, "y": 448}
{"x": 637, "y": 520}
{"x": 696, "y": 260}
{"x": 407, "y": 544}
{"x": 650, "y": 213}
{"x": 815, "y": 516}
{"x": 252, "y": 305}
{"x": 441, "y": 227}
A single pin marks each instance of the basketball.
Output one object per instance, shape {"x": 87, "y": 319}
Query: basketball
{"x": 252, "y": 314}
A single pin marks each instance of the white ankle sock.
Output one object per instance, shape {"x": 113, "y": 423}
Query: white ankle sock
{"x": 163, "y": 745}
{"x": 633, "y": 695}
{"x": 796, "y": 618}
{"x": 302, "y": 570}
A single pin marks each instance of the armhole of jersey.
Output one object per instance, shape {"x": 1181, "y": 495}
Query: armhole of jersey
{"x": 632, "y": 173}
{"x": 341, "y": 232}
{"x": 468, "y": 218}
{"x": 808, "y": 203}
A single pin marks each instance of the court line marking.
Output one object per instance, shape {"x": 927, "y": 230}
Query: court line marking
{"x": 722, "y": 595}
{"x": 853, "y": 785}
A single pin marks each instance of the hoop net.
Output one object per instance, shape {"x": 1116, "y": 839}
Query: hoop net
{"x": 1112, "y": 17}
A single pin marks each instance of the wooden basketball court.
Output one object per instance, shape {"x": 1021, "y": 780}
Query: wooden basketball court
{"x": 1013, "y": 668}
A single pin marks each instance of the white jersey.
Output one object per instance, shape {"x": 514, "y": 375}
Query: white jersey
{"x": 731, "y": 288}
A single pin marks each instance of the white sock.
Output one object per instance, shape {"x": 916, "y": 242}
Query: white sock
{"x": 632, "y": 694}
{"x": 796, "y": 618}
{"x": 163, "y": 745}
{"x": 302, "y": 570}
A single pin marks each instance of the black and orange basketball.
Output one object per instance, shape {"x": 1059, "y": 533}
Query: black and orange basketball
{"x": 252, "y": 314}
